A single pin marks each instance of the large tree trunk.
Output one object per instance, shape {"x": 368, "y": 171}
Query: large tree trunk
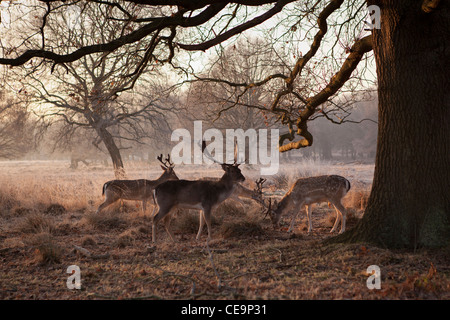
{"x": 409, "y": 205}
{"x": 114, "y": 152}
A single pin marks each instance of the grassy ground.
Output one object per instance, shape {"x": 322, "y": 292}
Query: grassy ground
{"x": 47, "y": 223}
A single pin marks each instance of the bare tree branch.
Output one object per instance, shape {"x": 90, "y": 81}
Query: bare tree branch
{"x": 236, "y": 30}
{"x": 132, "y": 37}
{"x": 337, "y": 81}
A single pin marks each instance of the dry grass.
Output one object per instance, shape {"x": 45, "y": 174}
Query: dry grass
{"x": 55, "y": 209}
{"x": 231, "y": 209}
{"x": 242, "y": 229}
{"x": 88, "y": 241}
{"x": 281, "y": 180}
{"x": 46, "y": 250}
{"x": 36, "y": 223}
{"x": 106, "y": 220}
{"x": 186, "y": 222}
{"x": 48, "y": 213}
{"x": 125, "y": 239}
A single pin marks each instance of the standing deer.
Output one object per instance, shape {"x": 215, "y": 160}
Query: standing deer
{"x": 140, "y": 189}
{"x": 307, "y": 191}
{"x": 204, "y": 195}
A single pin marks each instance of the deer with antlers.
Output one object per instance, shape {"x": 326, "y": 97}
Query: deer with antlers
{"x": 204, "y": 195}
{"x": 140, "y": 189}
{"x": 307, "y": 191}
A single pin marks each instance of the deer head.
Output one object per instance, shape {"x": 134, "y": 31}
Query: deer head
{"x": 168, "y": 168}
{"x": 270, "y": 207}
{"x": 232, "y": 170}
{"x": 257, "y": 192}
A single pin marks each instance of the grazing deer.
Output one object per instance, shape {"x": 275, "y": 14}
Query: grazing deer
{"x": 202, "y": 195}
{"x": 242, "y": 192}
{"x": 140, "y": 189}
{"x": 311, "y": 190}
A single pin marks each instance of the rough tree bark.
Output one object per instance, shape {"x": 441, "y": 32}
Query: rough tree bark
{"x": 114, "y": 152}
{"x": 409, "y": 205}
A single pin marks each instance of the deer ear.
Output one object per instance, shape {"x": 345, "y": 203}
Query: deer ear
{"x": 224, "y": 166}
{"x": 163, "y": 168}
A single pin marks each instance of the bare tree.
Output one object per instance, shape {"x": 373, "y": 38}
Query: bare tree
{"x": 227, "y": 106}
{"x": 16, "y": 128}
{"x": 91, "y": 93}
{"x": 222, "y": 106}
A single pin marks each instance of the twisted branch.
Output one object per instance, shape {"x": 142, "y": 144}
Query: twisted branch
{"x": 358, "y": 49}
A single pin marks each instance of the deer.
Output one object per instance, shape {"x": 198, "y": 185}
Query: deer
{"x": 140, "y": 189}
{"x": 242, "y": 192}
{"x": 307, "y": 191}
{"x": 204, "y": 195}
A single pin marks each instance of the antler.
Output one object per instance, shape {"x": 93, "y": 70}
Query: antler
{"x": 210, "y": 157}
{"x": 166, "y": 163}
{"x": 171, "y": 164}
{"x": 160, "y": 159}
{"x": 259, "y": 184}
{"x": 267, "y": 208}
{"x": 207, "y": 154}
{"x": 258, "y": 190}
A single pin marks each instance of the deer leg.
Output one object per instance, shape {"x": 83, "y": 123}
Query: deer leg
{"x": 108, "y": 201}
{"x": 167, "y": 220}
{"x": 162, "y": 212}
{"x": 308, "y": 214}
{"x": 144, "y": 206}
{"x": 207, "y": 216}
{"x": 294, "y": 216}
{"x": 154, "y": 223}
{"x": 153, "y": 210}
{"x": 342, "y": 213}
{"x": 292, "y": 206}
{"x": 338, "y": 219}
{"x": 154, "y": 203}
{"x": 200, "y": 225}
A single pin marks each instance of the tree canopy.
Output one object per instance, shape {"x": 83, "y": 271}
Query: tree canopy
{"x": 168, "y": 29}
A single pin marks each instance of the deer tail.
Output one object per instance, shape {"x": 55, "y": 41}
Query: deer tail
{"x": 104, "y": 188}
{"x": 348, "y": 185}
